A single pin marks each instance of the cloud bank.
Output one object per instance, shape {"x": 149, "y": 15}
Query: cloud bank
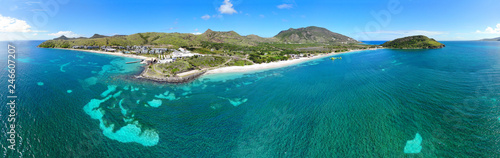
{"x": 8, "y": 24}
{"x": 490, "y": 30}
{"x": 69, "y": 34}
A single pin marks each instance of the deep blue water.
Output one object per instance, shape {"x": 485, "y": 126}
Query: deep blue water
{"x": 374, "y": 42}
{"x": 382, "y": 103}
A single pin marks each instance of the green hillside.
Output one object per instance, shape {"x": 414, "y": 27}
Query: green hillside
{"x": 313, "y": 34}
{"x": 413, "y": 42}
{"x": 306, "y": 35}
{"x": 159, "y": 39}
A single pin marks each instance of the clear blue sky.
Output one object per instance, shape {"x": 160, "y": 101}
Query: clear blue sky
{"x": 440, "y": 19}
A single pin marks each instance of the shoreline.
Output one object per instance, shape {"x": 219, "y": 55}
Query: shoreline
{"x": 108, "y": 53}
{"x": 273, "y": 65}
{"x": 222, "y": 70}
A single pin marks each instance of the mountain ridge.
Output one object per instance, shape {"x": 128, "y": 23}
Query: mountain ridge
{"x": 311, "y": 34}
{"x": 491, "y": 39}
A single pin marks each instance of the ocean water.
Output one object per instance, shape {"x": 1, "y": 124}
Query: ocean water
{"x": 382, "y": 103}
{"x": 373, "y": 42}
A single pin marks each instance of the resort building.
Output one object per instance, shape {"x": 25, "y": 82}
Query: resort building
{"x": 179, "y": 54}
{"x": 163, "y": 61}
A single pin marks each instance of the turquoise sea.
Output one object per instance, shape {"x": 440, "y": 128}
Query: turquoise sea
{"x": 382, "y": 103}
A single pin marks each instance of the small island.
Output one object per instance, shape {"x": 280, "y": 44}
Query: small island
{"x": 491, "y": 39}
{"x": 182, "y": 57}
{"x": 413, "y": 42}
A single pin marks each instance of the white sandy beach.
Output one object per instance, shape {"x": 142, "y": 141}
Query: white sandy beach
{"x": 272, "y": 65}
{"x": 109, "y": 53}
{"x": 233, "y": 69}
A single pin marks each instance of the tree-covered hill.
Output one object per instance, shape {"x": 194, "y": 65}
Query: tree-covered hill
{"x": 313, "y": 34}
{"x": 491, "y": 39}
{"x": 413, "y": 42}
{"x": 310, "y": 34}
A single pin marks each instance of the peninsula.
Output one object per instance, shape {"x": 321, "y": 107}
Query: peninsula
{"x": 491, "y": 39}
{"x": 180, "y": 57}
{"x": 413, "y": 42}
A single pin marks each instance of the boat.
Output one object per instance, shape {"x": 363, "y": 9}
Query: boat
{"x": 333, "y": 58}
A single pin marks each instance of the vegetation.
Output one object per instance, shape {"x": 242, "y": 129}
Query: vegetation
{"x": 202, "y": 62}
{"x": 222, "y": 48}
{"x": 239, "y": 62}
{"x": 413, "y": 42}
{"x": 313, "y": 34}
{"x": 173, "y": 40}
{"x": 173, "y": 68}
{"x": 192, "y": 63}
{"x": 266, "y": 58}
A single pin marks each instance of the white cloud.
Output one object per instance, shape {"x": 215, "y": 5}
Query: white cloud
{"x": 262, "y": 16}
{"x": 38, "y": 10}
{"x": 285, "y": 6}
{"x": 8, "y": 24}
{"x": 409, "y": 32}
{"x": 196, "y": 30}
{"x": 14, "y": 8}
{"x": 217, "y": 16}
{"x": 69, "y": 34}
{"x": 490, "y": 30}
{"x": 30, "y": 3}
{"x": 205, "y": 17}
{"x": 197, "y": 33}
{"x": 227, "y": 8}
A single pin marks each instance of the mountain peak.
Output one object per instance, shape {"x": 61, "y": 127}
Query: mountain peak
{"x": 61, "y": 38}
{"x": 312, "y": 34}
{"x": 98, "y": 36}
{"x": 208, "y": 31}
